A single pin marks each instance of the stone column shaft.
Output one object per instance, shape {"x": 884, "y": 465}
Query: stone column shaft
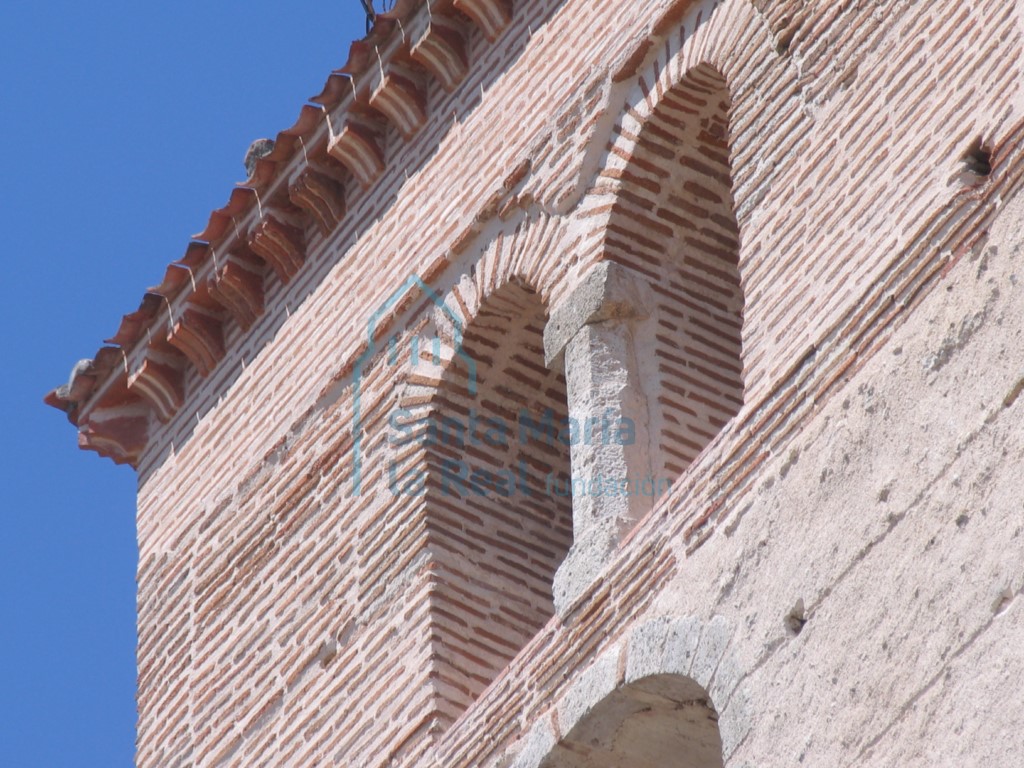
{"x": 594, "y": 330}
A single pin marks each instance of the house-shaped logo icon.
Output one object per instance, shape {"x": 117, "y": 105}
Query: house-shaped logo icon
{"x": 414, "y": 283}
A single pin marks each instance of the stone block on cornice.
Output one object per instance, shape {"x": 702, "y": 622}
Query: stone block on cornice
{"x": 84, "y": 379}
{"x": 198, "y": 333}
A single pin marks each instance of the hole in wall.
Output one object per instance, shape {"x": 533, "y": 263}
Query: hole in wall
{"x": 796, "y": 618}
{"x": 1002, "y": 601}
{"x": 977, "y": 160}
{"x": 784, "y": 42}
{"x": 787, "y": 29}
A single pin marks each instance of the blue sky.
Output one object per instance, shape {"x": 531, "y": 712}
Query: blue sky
{"x": 123, "y": 125}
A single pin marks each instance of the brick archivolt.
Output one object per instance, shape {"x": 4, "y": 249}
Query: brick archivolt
{"x": 471, "y": 441}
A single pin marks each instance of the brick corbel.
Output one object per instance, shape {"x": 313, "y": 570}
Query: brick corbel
{"x": 199, "y": 335}
{"x": 238, "y": 287}
{"x": 359, "y": 147}
{"x": 492, "y": 16}
{"x": 160, "y": 381}
{"x": 119, "y": 432}
{"x": 441, "y": 50}
{"x": 281, "y": 245}
{"x": 321, "y": 197}
{"x": 400, "y": 97}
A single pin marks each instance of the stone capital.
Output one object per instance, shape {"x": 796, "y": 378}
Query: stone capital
{"x": 607, "y": 292}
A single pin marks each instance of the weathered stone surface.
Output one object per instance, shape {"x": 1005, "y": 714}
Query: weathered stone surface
{"x": 824, "y": 352}
{"x": 608, "y": 291}
{"x": 610, "y": 452}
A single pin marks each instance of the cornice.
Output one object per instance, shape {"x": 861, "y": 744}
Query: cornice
{"x": 335, "y": 150}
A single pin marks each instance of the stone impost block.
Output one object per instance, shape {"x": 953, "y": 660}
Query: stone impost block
{"x": 609, "y": 291}
{"x": 537, "y": 745}
{"x": 713, "y": 642}
{"x": 592, "y": 687}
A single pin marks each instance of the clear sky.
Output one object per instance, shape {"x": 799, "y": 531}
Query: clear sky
{"x": 123, "y": 125}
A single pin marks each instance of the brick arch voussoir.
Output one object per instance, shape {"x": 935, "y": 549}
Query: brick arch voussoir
{"x": 525, "y": 255}
{"x": 521, "y": 256}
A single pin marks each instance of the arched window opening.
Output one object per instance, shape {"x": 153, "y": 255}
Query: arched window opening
{"x": 498, "y": 499}
{"x": 674, "y": 223}
{"x": 662, "y": 720}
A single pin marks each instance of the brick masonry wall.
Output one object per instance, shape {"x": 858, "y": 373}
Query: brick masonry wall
{"x": 674, "y": 222}
{"x": 286, "y": 621}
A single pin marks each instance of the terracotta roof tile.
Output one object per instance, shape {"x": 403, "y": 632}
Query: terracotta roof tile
{"x": 134, "y": 325}
{"x": 222, "y": 220}
{"x": 175, "y": 279}
{"x": 301, "y": 181}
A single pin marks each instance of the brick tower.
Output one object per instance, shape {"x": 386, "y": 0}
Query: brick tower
{"x": 589, "y": 383}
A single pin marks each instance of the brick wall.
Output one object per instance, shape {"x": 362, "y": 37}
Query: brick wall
{"x": 674, "y": 222}
{"x": 790, "y": 179}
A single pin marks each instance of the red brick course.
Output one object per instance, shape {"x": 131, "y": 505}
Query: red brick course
{"x": 788, "y": 177}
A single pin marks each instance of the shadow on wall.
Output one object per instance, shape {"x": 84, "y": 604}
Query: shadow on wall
{"x": 658, "y": 721}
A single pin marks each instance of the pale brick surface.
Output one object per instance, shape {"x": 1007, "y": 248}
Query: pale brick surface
{"x": 829, "y": 359}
